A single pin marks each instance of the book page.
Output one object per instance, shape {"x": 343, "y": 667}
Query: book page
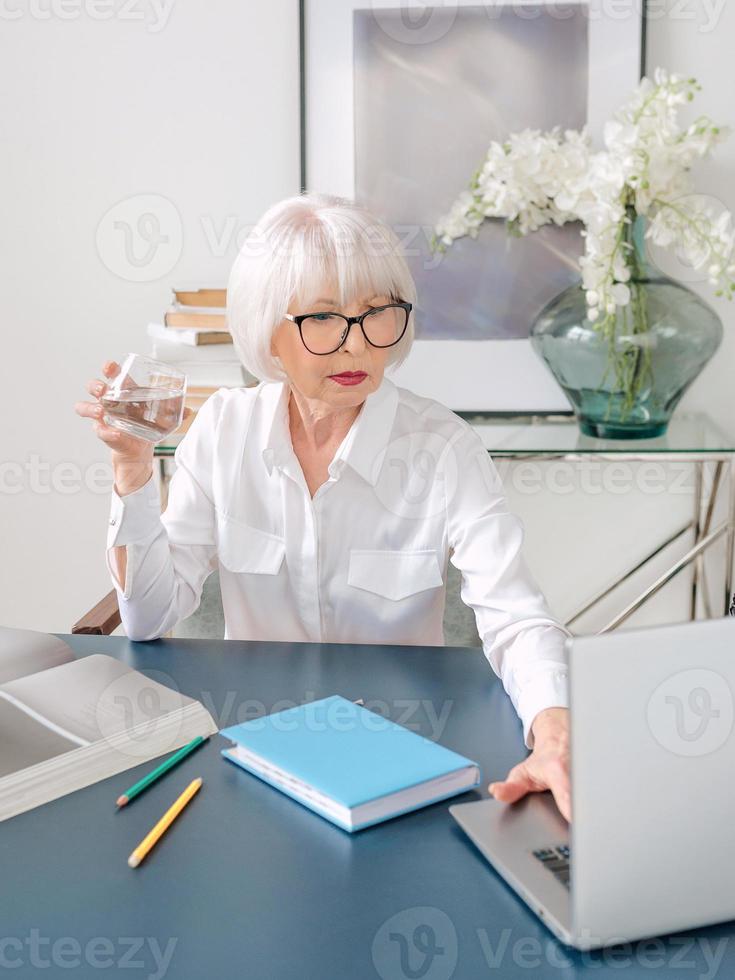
{"x": 93, "y": 698}
{"x": 24, "y": 652}
{"x": 24, "y": 741}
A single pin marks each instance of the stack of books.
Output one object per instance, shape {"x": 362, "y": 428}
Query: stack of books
{"x": 194, "y": 337}
{"x": 196, "y": 317}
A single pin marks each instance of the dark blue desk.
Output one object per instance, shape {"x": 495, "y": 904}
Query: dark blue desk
{"x": 249, "y": 884}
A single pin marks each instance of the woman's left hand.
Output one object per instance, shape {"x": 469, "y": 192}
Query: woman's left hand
{"x": 547, "y": 767}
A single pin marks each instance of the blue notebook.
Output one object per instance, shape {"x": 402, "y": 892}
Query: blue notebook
{"x": 349, "y": 764}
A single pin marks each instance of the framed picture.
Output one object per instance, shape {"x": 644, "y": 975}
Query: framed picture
{"x": 399, "y": 105}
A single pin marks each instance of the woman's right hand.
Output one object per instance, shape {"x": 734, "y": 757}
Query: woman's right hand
{"x": 132, "y": 458}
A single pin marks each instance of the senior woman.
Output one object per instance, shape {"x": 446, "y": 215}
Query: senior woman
{"x": 330, "y": 498}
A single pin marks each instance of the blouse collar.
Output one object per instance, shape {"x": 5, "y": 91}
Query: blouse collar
{"x": 364, "y": 444}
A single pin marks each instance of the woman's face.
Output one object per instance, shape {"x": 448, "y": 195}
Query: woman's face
{"x": 312, "y": 374}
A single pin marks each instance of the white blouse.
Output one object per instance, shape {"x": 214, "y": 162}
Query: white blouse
{"x": 410, "y": 488}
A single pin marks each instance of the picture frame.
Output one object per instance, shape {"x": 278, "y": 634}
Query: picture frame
{"x": 470, "y": 375}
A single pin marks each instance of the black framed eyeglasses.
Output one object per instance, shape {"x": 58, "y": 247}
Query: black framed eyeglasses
{"x": 324, "y": 333}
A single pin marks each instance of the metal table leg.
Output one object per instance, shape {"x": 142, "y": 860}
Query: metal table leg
{"x": 705, "y": 503}
{"x": 697, "y": 570}
{"x": 730, "y": 539}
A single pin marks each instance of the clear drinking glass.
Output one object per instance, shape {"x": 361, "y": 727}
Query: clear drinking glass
{"x": 145, "y": 399}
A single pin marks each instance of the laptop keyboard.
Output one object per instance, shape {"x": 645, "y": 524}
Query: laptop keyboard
{"x": 556, "y": 859}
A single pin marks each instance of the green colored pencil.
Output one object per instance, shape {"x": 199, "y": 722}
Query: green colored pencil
{"x": 169, "y": 763}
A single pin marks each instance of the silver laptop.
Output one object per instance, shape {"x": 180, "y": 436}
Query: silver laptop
{"x": 649, "y": 849}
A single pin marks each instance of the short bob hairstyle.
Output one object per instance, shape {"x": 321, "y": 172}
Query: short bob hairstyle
{"x": 297, "y": 245}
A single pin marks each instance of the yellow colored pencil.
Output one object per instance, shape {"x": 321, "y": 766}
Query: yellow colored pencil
{"x": 163, "y": 824}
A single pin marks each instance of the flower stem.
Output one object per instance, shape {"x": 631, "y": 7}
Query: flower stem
{"x": 629, "y": 354}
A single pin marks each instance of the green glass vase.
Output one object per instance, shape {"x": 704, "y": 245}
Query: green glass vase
{"x": 625, "y": 375}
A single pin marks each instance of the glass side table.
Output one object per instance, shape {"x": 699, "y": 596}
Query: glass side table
{"x": 693, "y": 438}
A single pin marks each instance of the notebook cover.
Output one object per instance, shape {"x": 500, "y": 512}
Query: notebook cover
{"x": 345, "y": 751}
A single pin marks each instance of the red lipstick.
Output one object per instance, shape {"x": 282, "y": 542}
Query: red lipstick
{"x": 349, "y": 377}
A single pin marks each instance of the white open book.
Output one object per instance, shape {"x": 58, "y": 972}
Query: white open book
{"x": 67, "y": 723}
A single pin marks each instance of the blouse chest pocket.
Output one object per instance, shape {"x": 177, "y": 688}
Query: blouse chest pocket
{"x": 394, "y": 574}
{"x": 243, "y": 548}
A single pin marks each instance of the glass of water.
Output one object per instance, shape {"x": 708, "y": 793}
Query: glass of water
{"x": 145, "y": 399}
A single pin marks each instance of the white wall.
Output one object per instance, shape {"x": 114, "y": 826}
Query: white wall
{"x": 202, "y": 108}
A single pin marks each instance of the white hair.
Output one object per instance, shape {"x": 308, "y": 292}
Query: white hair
{"x": 298, "y": 243}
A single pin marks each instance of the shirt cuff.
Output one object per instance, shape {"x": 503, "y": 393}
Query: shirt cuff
{"x": 134, "y": 516}
{"x": 548, "y": 689}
